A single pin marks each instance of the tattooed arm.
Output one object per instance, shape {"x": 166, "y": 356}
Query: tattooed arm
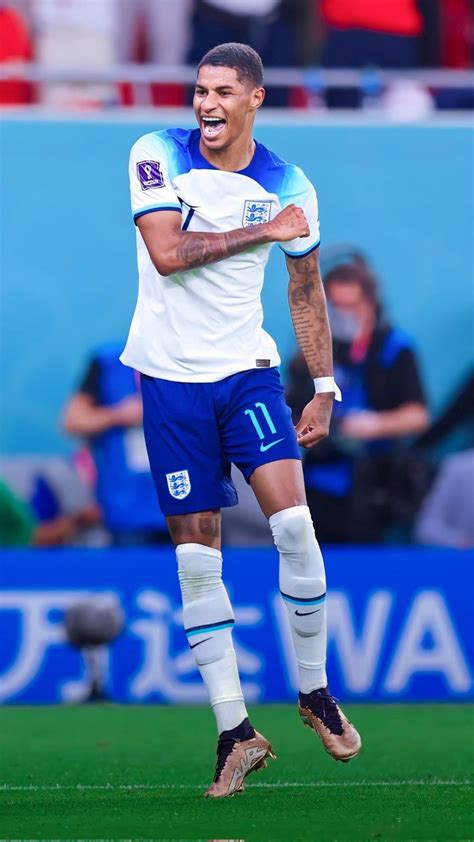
{"x": 310, "y": 321}
{"x": 173, "y": 250}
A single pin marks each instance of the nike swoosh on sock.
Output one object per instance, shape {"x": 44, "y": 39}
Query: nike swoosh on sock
{"x": 306, "y": 613}
{"x": 193, "y": 645}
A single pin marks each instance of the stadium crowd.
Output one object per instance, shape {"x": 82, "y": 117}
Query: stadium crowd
{"x": 66, "y": 35}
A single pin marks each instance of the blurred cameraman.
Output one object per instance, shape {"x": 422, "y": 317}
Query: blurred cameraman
{"x": 362, "y": 479}
{"x": 106, "y": 410}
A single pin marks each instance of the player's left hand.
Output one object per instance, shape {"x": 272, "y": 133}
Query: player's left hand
{"x": 315, "y": 419}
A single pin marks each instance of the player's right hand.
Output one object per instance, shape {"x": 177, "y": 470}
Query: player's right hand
{"x": 315, "y": 419}
{"x": 289, "y": 224}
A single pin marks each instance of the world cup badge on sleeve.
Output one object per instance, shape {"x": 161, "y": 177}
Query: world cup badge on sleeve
{"x": 179, "y": 484}
{"x": 150, "y": 175}
{"x": 255, "y": 212}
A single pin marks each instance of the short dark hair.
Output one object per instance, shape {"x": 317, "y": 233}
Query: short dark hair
{"x": 356, "y": 272}
{"x": 242, "y": 58}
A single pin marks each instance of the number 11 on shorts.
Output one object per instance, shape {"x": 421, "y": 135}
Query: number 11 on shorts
{"x": 266, "y": 415}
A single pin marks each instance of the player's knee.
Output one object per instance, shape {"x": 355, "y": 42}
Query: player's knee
{"x": 199, "y": 569}
{"x": 293, "y": 534}
{"x": 292, "y": 529}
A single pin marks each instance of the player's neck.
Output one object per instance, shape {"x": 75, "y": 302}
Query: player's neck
{"x": 233, "y": 158}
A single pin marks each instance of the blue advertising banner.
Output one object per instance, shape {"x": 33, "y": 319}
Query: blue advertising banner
{"x": 399, "y": 625}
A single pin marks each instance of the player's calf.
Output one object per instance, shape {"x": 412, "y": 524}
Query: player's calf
{"x": 303, "y": 588}
{"x": 208, "y": 620}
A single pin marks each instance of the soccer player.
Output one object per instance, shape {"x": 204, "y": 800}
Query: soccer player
{"x": 208, "y": 205}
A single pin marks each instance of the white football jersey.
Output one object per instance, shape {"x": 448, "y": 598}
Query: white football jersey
{"x": 202, "y": 325}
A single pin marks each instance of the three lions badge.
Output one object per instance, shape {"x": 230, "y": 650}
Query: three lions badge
{"x": 179, "y": 484}
{"x": 255, "y": 212}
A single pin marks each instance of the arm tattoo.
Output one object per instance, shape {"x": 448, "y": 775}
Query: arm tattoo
{"x": 309, "y": 314}
{"x": 199, "y": 249}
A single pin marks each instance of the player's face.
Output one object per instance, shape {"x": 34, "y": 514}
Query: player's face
{"x": 224, "y": 106}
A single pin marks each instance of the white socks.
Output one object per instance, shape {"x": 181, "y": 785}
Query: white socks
{"x": 208, "y": 619}
{"x": 303, "y": 588}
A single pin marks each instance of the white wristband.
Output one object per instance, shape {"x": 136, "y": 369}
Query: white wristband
{"x": 327, "y": 384}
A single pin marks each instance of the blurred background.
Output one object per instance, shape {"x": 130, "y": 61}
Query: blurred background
{"x": 374, "y": 101}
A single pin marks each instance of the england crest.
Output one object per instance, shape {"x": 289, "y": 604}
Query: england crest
{"x": 255, "y": 212}
{"x": 179, "y": 484}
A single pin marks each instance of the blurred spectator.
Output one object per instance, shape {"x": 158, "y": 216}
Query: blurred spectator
{"x": 369, "y": 33}
{"x": 405, "y": 100}
{"x": 107, "y": 411}
{"x": 96, "y": 34}
{"x": 303, "y": 21}
{"x": 447, "y": 515}
{"x": 266, "y": 25}
{"x": 459, "y": 413}
{"x": 156, "y": 31}
{"x": 456, "y": 49}
{"x": 15, "y": 49}
{"x": 361, "y": 32}
{"x": 72, "y": 34}
{"x": 44, "y": 502}
{"x": 17, "y": 524}
{"x": 457, "y": 33}
{"x": 361, "y": 479}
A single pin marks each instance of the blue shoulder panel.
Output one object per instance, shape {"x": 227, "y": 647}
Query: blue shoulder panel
{"x": 178, "y": 144}
{"x": 267, "y": 169}
{"x": 295, "y": 185}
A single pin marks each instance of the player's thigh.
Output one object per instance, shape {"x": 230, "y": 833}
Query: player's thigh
{"x": 279, "y": 485}
{"x": 257, "y": 431}
{"x": 196, "y": 528}
{"x": 191, "y": 475}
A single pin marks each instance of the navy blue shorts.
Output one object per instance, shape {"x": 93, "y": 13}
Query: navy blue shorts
{"x": 194, "y": 431}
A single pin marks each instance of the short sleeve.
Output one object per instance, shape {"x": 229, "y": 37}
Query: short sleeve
{"x": 407, "y": 380}
{"x": 150, "y": 183}
{"x": 298, "y": 190}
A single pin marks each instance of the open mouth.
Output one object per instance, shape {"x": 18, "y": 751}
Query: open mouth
{"x": 212, "y": 126}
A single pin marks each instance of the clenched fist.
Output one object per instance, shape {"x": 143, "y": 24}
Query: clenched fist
{"x": 289, "y": 224}
{"x": 315, "y": 419}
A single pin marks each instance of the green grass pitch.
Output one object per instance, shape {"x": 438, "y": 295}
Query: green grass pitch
{"x": 110, "y": 772}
